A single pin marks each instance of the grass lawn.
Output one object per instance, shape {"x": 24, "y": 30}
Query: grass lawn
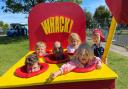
{"x": 13, "y": 49}
{"x": 119, "y": 64}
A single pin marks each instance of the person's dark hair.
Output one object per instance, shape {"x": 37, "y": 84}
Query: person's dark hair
{"x": 31, "y": 59}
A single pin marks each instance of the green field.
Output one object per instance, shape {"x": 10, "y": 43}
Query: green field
{"x": 120, "y": 65}
{"x": 12, "y": 49}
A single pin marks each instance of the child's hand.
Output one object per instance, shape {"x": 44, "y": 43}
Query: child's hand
{"x": 66, "y": 70}
{"x": 98, "y": 66}
{"x": 54, "y": 75}
{"x": 51, "y": 77}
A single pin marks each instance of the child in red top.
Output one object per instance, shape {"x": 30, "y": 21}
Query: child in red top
{"x": 97, "y": 37}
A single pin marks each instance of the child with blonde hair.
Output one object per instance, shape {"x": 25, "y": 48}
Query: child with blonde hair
{"x": 40, "y": 49}
{"x": 74, "y": 42}
{"x": 83, "y": 58}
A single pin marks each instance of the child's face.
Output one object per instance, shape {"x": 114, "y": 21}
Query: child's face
{"x": 57, "y": 45}
{"x": 35, "y": 67}
{"x": 41, "y": 51}
{"x": 74, "y": 42}
{"x": 96, "y": 38}
{"x": 83, "y": 60}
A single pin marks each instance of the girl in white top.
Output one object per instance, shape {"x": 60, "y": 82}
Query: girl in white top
{"x": 74, "y": 42}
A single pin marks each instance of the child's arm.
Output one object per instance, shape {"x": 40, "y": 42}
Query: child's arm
{"x": 55, "y": 74}
{"x": 66, "y": 68}
{"x": 98, "y": 63}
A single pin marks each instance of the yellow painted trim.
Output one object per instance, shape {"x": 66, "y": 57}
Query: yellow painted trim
{"x": 109, "y": 39}
{"x": 10, "y": 80}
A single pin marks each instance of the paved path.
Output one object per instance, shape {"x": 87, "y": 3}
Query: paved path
{"x": 119, "y": 49}
{"x": 3, "y": 35}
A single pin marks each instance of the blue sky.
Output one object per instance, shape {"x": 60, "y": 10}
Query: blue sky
{"x": 10, "y": 17}
{"x": 89, "y": 5}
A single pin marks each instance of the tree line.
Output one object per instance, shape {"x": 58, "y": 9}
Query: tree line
{"x": 24, "y": 6}
{"x": 4, "y": 26}
{"x": 100, "y": 18}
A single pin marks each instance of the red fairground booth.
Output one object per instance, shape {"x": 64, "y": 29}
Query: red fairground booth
{"x": 49, "y": 22}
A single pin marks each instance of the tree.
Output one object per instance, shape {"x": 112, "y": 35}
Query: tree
{"x": 3, "y": 25}
{"x": 24, "y": 6}
{"x": 75, "y": 1}
{"x": 102, "y": 16}
{"x": 88, "y": 19}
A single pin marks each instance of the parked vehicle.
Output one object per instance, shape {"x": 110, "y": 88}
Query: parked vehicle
{"x": 17, "y": 29}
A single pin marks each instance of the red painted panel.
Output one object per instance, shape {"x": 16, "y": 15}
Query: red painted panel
{"x": 101, "y": 84}
{"x": 43, "y": 11}
{"x": 119, "y": 10}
